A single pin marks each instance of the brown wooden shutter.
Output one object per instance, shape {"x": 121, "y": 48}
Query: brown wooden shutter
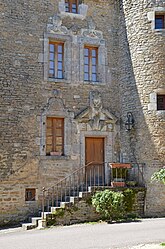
{"x": 55, "y": 135}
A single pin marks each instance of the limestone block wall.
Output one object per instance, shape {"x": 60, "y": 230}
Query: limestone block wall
{"x": 145, "y": 61}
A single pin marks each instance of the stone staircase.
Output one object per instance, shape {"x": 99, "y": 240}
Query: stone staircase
{"x": 68, "y": 201}
{"x": 78, "y": 209}
{"x": 37, "y": 222}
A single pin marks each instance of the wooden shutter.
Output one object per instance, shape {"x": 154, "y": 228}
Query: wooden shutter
{"x": 55, "y": 135}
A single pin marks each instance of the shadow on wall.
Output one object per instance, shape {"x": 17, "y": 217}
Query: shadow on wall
{"x": 142, "y": 143}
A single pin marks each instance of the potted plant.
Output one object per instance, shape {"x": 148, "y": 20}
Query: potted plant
{"x": 119, "y": 173}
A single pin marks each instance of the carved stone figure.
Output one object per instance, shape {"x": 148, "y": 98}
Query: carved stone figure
{"x": 91, "y": 32}
{"x": 95, "y": 114}
{"x": 95, "y": 110}
{"x": 55, "y": 25}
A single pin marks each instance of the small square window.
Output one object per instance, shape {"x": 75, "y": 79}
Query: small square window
{"x": 160, "y": 102}
{"x": 159, "y": 22}
{"x": 71, "y": 6}
{"x": 30, "y": 194}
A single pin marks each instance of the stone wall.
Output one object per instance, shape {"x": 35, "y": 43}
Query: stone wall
{"x": 145, "y": 60}
{"x": 26, "y": 94}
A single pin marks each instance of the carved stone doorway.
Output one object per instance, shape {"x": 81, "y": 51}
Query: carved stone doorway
{"x": 94, "y": 159}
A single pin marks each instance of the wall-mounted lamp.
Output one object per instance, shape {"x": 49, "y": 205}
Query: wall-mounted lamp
{"x": 129, "y": 124}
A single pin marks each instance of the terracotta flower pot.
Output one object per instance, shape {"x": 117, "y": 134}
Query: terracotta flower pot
{"x": 118, "y": 184}
{"x": 55, "y": 153}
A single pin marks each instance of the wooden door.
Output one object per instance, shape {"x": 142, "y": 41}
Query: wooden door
{"x": 94, "y": 158}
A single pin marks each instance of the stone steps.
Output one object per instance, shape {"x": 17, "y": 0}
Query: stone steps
{"x": 36, "y": 221}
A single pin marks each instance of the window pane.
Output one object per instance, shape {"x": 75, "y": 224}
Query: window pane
{"x": 93, "y": 77}
{"x": 86, "y": 60}
{"x": 86, "y": 51}
{"x": 161, "y": 102}
{"x": 94, "y": 52}
{"x": 59, "y": 57}
{"x": 86, "y": 69}
{"x": 74, "y": 8}
{"x": 93, "y": 69}
{"x": 30, "y": 194}
{"x": 60, "y": 48}
{"x": 51, "y": 73}
{"x": 86, "y": 76}
{"x": 159, "y": 22}
{"x": 51, "y": 56}
{"x": 51, "y": 47}
{"x": 60, "y": 75}
{"x": 93, "y": 61}
{"x": 51, "y": 64}
{"x": 66, "y": 7}
{"x": 60, "y": 65}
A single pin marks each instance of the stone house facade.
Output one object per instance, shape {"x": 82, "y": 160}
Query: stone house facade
{"x": 71, "y": 72}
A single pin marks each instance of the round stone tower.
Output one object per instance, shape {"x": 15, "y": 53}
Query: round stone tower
{"x": 142, "y": 90}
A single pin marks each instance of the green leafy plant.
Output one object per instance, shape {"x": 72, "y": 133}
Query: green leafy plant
{"x": 129, "y": 200}
{"x": 59, "y": 212}
{"x": 109, "y": 204}
{"x": 159, "y": 176}
{"x": 114, "y": 205}
{"x": 162, "y": 244}
{"x": 119, "y": 173}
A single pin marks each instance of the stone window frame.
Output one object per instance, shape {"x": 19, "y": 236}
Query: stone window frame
{"x": 151, "y": 17}
{"x": 102, "y": 55}
{"x": 67, "y": 40}
{"x": 82, "y": 11}
{"x": 152, "y": 106}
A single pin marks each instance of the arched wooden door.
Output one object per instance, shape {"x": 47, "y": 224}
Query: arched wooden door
{"x": 94, "y": 154}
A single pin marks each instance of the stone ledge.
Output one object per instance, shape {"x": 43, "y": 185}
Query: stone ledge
{"x": 55, "y": 157}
